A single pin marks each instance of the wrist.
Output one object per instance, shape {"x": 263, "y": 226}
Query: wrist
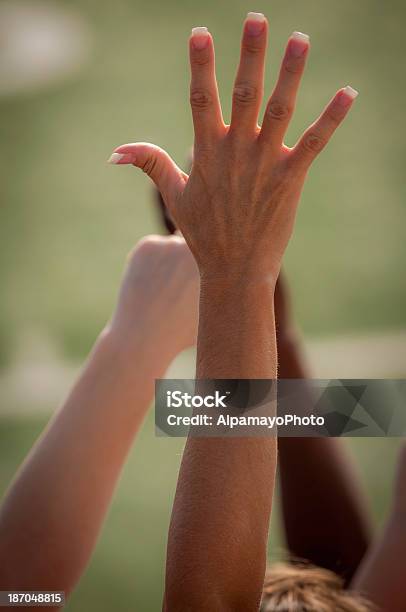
{"x": 237, "y": 298}
{"x": 245, "y": 269}
{"x": 237, "y": 281}
{"x": 236, "y": 328}
{"x": 129, "y": 346}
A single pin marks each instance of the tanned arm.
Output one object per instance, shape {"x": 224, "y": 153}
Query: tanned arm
{"x": 236, "y": 211}
{"x": 223, "y": 501}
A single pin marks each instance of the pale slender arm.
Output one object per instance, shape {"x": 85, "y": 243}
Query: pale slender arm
{"x": 54, "y": 509}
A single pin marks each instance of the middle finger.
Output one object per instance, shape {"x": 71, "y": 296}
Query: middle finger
{"x": 249, "y": 83}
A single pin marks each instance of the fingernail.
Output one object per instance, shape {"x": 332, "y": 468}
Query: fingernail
{"x": 255, "y": 23}
{"x": 299, "y": 44}
{"x": 115, "y": 158}
{"x": 350, "y": 92}
{"x": 348, "y": 95}
{"x": 121, "y": 158}
{"x": 200, "y": 37}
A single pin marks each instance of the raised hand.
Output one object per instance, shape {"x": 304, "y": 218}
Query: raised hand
{"x": 161, "y": 289}
{"x": 236, "y": 209}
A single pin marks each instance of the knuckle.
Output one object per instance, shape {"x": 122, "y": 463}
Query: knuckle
{"x": 148, "y": 242}
{"x": 150, "y": 164}
{"x": 252, "y": 47}
{"x": 203, "y": 153}
{"x": 245, "y": 94}
{"x": 293, "y": 65}
{"x": 145, "y": 247}
{"x": 200, "y": 99}
{"x": 132, "y": 256}
{"x": 279, "y": 111}
{"x": 335, "y": 116}
{"x": 201, "y": 58}
{"x": 312, "y": 143}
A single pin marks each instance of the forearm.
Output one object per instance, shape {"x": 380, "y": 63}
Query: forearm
{"x": 237, "y": 336}
{"x": 320, "y": 497}
{"x": 59, "y": 498}
{"x": 381, "y": 576}
{"x": 221, "y": 513}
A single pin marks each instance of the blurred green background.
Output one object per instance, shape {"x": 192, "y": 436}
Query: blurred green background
{"x": 67, "y": 219}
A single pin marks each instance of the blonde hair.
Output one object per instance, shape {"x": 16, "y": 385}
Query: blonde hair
{"x": 304, "y": 588}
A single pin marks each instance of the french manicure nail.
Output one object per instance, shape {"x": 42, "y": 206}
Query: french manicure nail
{"x": 350, "y": 92}
{"x": 255, "y": 23}
{"x": 115, "y": 158}
{"x": 300, "y": 36}
{"x": 347, "y": 96}
{"x": 200, "y": 37}
{"x": 299, "y": 44}
{"x": 121, "y": 158}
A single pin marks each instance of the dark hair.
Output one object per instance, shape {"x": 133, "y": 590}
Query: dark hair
{"x": 165, "y": 217}
{"x": 163, "y": 213}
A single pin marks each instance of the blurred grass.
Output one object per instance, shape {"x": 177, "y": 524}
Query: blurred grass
{"x": 127, "y": 569}
{"x": 67, "y": 220}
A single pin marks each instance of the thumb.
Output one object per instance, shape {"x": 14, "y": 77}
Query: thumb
{"x": 154, "y": 161}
